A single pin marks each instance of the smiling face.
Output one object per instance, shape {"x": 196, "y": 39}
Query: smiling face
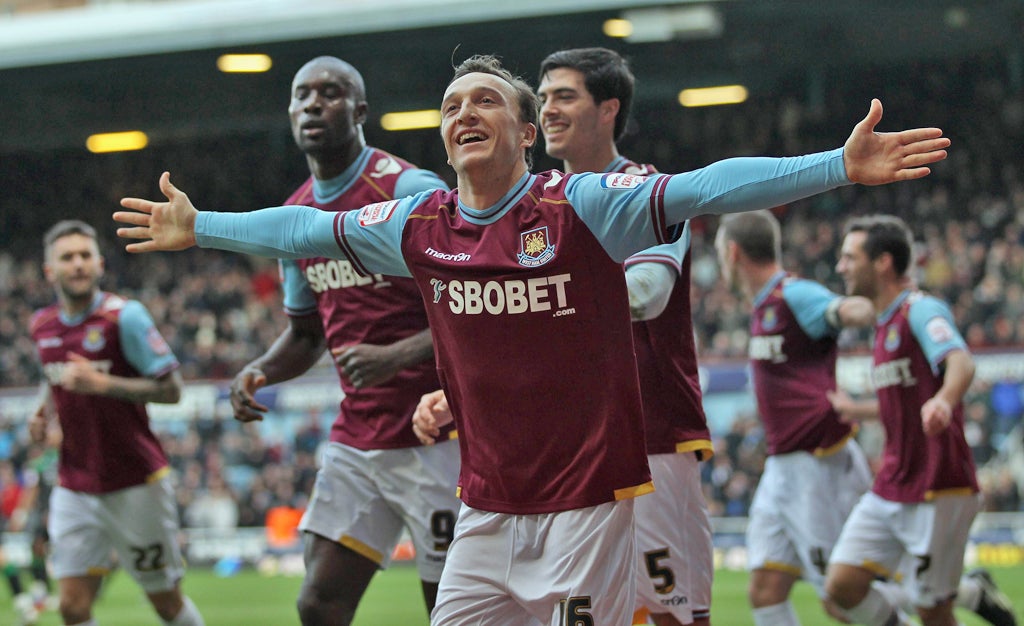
{"x": 328, "y": 107}
{"x": 856, "y": 268}
{"x": 574, "y": 125}
{"x": 482, "y": 127}
{"x": 74, "y": 267}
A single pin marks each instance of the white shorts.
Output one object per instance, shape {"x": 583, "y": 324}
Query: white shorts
{"x": 799, "y": 509}
{"x": 881, "y": 532}
{"x": 673, "y": 540}
{"x": 364, "y": 498}
{"x": 139, "y": 524}
{"x": 573, "y": 567}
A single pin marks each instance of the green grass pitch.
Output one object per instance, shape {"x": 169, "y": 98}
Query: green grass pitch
{"x": 393, "y": 599}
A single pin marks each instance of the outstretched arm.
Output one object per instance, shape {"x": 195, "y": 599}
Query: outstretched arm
{"x": 873, "y": 158}
{"x": 165, "y": 225}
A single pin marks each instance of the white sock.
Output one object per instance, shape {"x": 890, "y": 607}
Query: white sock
{"x": 968, "y": 596}
{"x": 876, "y": 610}
{"x": 896, "y": 595}
{"x": 781, "y": 614}
{"x": 91, "y": 622}
{"x": 188, "y": 616}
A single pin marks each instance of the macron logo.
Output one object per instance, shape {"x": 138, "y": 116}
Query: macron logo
{"x": 461, "y": 257}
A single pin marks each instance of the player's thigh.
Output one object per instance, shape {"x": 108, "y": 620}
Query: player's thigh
{"x": 824, "y": 491}
{"x": 348, "y": 507}
{"x": 769, "y": 544}
{"x": 79, "y": 542}
{"x": 143, "y": 524}
{"x": 868, "y": 540}
{"x": 577, "y": 566}
{"x": 421, "y": 485}
{"x": 935, "y": 535}
{"x": 473, "y": 590}
{"x": 673, "y": 530}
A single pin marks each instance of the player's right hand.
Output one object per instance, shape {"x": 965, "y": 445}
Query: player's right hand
{"x": 431, "y": 414}
{"x": 162, "y": 225}
{"x": 243, "y": 395}
{"x": 38, "y": 423}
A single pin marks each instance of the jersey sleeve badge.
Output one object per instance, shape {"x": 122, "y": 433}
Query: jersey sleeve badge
{"x": 622, "y": 181}
{"x": 377, "y": 213}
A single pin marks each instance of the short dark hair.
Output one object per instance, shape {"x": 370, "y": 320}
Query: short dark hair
{"x": 757, "y": 233}
{"x": 885, "y": 233}
{"x": 529, "y": 104}
{"x": 606, "y": 75}
{"x": 64, "y": 228}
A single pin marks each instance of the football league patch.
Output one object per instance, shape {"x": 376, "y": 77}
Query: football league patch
{"x": 156, "y": 342}
{"x": 622, "y": 181}
{"x": 939, "y": 330}
{"x": 377, "y": 213}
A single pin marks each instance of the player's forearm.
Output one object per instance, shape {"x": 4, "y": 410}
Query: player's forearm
{"x": 414, "y": 349}
{"x": 163, "y": 390}
{"x": 959, "y": 366}
{"x": 288, "y": 232}
{"x": 293, "y": 353}
{"x": 751, "y": 183}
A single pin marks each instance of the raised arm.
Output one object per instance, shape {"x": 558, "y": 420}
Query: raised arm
{"x": 873, "y": 158}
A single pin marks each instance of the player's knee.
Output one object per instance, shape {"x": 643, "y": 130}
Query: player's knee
{"x": 315, "y": 610}
{"x": 75, "y": 608}
{"x": 767, "y": 589}
{"x": 167, "y": 604}
{"x": 844, "y": 592}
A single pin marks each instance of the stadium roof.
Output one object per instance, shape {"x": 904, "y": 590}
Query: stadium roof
{"x": 116, "y": 65}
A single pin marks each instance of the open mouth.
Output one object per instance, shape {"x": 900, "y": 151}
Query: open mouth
{"x": 470, "y": 137}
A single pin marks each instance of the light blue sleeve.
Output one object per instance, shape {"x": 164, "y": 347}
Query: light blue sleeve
{"x": 298, "y": 297}
{"x": 412, "y": 181}
{"x": 661, "y": 253}
{"x": 808, "y": 300}
{"x": 298, "y": 232}
{"x": 933, "y": 326}
{"x": 141, "y": 342}
{"x": 623, "y": 213}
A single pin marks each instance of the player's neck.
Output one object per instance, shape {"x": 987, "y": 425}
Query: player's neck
{"x": 328, "y": 166}
{"x": 73, "y": 306}
{"x": 888, "y": 292}
{"x": 591, "y": 160}
{"x": 481, "y": 188}
{"x": 757, "y": 276}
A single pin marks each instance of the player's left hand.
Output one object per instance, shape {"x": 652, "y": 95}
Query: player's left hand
{"x": 431, "y": 414}
{"x": 935, "y": 416}
{"x": 80, "y": 376}
{"x": 873, "y": 158}
{"x": 842, "y": 404}
{"x": 367, "y": 365}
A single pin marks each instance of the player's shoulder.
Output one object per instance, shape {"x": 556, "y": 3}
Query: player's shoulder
{"x": 43, "y": 316}
{"x": 383, "y": 163}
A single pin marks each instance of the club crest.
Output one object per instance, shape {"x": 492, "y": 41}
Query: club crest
{"x": 94, "y": 341}
{"x": 769, "y": 319}
{"x": 892, "y": 338}
{"x": 535, "y": 247}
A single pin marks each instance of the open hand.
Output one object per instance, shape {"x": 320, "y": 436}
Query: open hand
{"x": 161, "y": 225}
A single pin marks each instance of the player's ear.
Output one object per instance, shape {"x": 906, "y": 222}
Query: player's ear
{"x": 609, "y": 109}
{"x": 529, "y": 135}
{"x": 359, "y": 114}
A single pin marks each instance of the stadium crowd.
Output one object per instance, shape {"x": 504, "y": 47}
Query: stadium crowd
{"x": 218, "y": 311}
